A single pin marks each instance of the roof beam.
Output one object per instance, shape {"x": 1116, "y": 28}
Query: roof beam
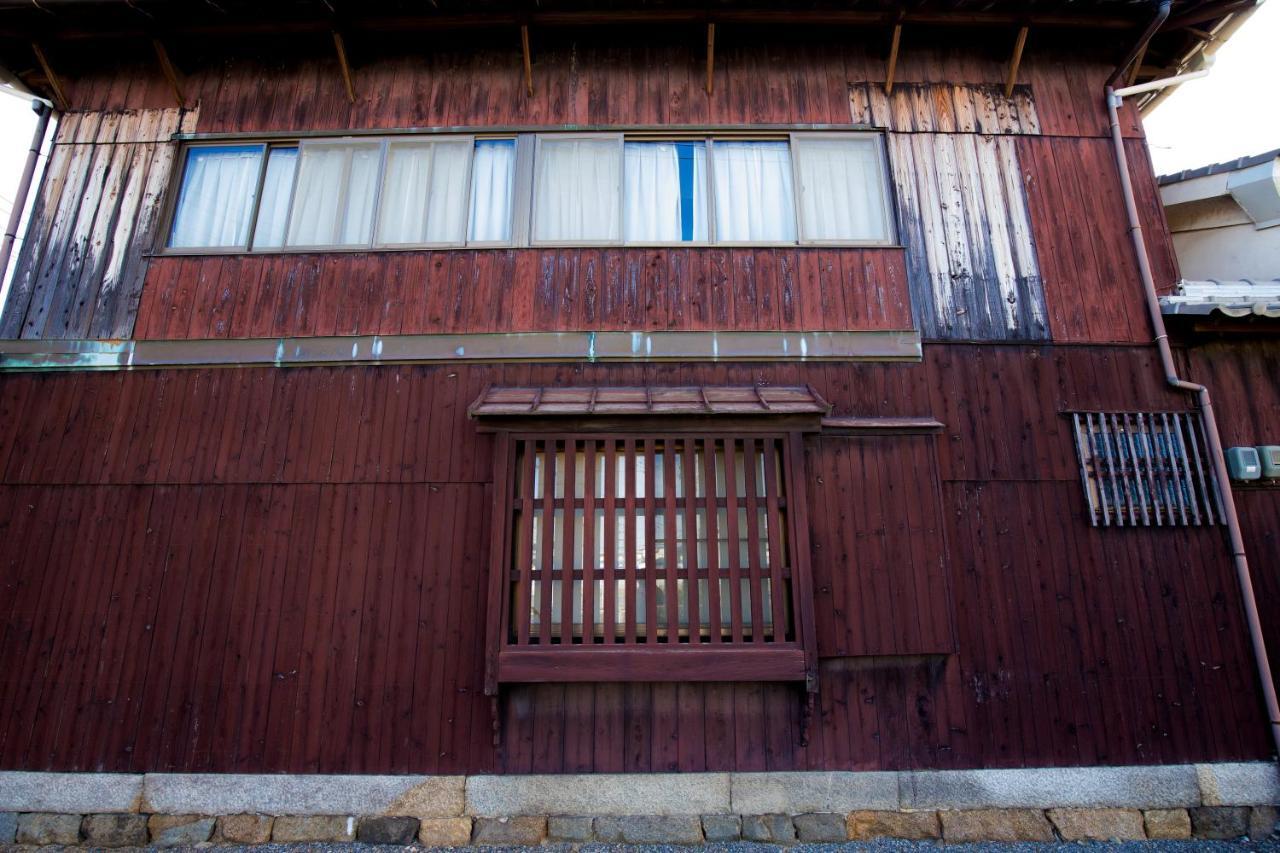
{"x": 1015, "y": 61}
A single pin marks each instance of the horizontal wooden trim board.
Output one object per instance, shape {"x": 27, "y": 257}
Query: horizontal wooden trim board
{"x": 511, "y": 347}
{"x": 775, "y": 662}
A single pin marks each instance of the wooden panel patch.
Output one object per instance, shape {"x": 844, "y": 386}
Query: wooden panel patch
{"x": 971, "y": 258}
{"x": 81, "y": 268}
{"x": 944, "y": 108}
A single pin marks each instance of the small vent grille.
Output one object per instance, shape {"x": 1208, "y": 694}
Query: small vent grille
{"x": 1147, "y": 469}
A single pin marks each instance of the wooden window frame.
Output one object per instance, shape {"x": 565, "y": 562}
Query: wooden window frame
{"x": 791, "y": 659}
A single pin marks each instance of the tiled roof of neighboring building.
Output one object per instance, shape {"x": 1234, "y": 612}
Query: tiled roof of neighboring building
{"x": 1218, "y": 168}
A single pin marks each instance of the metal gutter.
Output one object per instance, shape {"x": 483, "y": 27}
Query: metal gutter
{"x": 612, "y": 346}
{"x": 1114, "y": 98}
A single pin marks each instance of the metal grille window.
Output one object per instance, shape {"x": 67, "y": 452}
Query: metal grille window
{"x": 1145, "y": 469}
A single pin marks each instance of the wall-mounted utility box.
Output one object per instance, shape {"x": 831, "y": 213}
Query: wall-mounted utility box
{"x": 1269, "y": 456}
{"x": 1243, "y": 463}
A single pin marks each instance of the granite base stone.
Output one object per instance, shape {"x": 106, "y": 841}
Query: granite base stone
{"x": 721, "y": 827}
{"x": 244, "y": 829}
{"x": 179, "y": 830}
{"x": 313, "y": 828}
{"x": 820, "y": 828}
{"x": 114, "y": 830}
{"x": 8, "y": 827}
{"x": 570, "y": 829}
{"x": 39, "y": 828}
{"x": 995, "y": 825}
{"x": 777, "y": 828}
{"x": 1167, "y": 824}
{"x": 1220, "y": 823}
{"x": 505, "y": 831}
{"x": 1264, "y": 822}
{"x": 650, "y": 829}
{"x": 913, "y": 826}
{"x": 445, "y": 831}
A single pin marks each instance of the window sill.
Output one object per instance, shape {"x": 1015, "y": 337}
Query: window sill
{"x": 489, "y": 247}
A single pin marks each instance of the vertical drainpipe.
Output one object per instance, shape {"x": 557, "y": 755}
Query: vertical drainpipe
{"x": 43, "y": 110}
{"x": 1236, "y": 539}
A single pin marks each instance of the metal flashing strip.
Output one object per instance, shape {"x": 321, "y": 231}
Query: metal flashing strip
{"x": 452, "y": 349}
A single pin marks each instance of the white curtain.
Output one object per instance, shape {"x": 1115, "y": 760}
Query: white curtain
{"x": 216, "y": 202}
{"x": 655, "y": 196}
{"x": 576, "y": 190}
{"x": 424, "y": 193}
{"x": 333, "y": 204}
{"x": 841, "y": 196}
{"x": 493, "y": 171}
{"x": 273, "y": 210}
{"x": 753, "y": 188}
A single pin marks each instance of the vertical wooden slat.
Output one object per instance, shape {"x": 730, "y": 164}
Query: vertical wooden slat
{"x": 610, "y": 545}
{"x": 548, "y": 537}
{"x": 777, "y": 557}
{"x": 1135, "y": 477}
{"x": 731, "y": 525}
{"x": 712, "y": 531}
{"x": 1097, "y": 466}
{"x": 669, "y": 538}
{"x": 1211, "y": 510}
{"x": 650, "y": 572}
{"x": 802, "y": 580}
{"x": 499, "y": 563}
{"x": 1117, "y": 487}
{"x": 1170, "y": 466}
{"x": 567, "y": 553}
{"x": 691, "y": 540}
{"x": 629, "y": 524}
{"x": 1160, "y": 497}
{"x": 589, "y": 543}
{"x": 749, "y": 455}
{"x": 524, "y": 587}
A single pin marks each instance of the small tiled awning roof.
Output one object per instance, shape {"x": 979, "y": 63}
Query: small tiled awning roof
{"x": 651, "y": 400}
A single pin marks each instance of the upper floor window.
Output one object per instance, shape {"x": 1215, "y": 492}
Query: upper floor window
{"x": 427, "y": 190}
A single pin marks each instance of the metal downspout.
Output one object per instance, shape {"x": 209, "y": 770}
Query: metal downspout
{"x": 24, "y": 186}
{"x": 1243, "y": 577}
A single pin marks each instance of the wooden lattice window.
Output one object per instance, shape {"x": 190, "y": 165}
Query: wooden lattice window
{"x": 1145, "y": 469}
{"x": 657, "y": 548}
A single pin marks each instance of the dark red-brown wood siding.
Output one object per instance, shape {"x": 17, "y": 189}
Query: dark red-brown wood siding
{"x": 221, "y": 569}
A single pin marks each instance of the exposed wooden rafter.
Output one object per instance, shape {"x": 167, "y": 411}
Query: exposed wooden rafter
{"x": 171, "y": 72}
{"x": 1015, "y": 60}
{"x": 711, "y": 57}
{"x": 341, "y": 48}
{"x": 892, "y": 65}
{"x": 51, "y": 77}
{"x": 528, "y": 59}
{"x": 1136, "y": 67}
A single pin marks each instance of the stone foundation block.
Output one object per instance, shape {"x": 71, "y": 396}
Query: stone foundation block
{"x": 445, "y": 831}
{"x": 307, "y": 828}
{"x": 563, "y": 828}
{"x": 721, "y": 827}
{"x": 40, "y": 828}
{"x": 1220, "y": 822}
{"x": 179, "y": 830}
{"x": 1167, "y": 824}
{"x": 995, "y": 825}
{"x": 387, "y": 830}
{"x": 502, "y": 831}
{"x": 820, "y": 827}
{"x": 1264, "y": 822}
{"x": 914, "y": 826}
{"x": 115, "y": 830}
{"x": 769, "y": 827}
{"x": 1098, "y": 824}
{"x": 8, "y": 827}
{"x": 244, "y": 829}
{"x": 654, "y": 829}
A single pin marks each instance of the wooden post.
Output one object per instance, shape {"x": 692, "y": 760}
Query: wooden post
{"x": 55, "y": 85}
{"x": 528, "y": 59}
{"x": 171, "y": 73}
{"x": 1015, "y": 61}
{"x": 341, "y": 48}
{"x": 711, "y": 58}
{"x": 893, "y": 59}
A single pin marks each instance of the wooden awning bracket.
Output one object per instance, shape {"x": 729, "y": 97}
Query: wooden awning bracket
{"x": 1015, "y": 60}
{"x": 892, "y": 65}
{"x": 711, "y": 57}
{"x": 170, "y": 71}
{"x": 340, "y": 46}
{"x": 51, "y": 77}
{"x": 528, "y": 59}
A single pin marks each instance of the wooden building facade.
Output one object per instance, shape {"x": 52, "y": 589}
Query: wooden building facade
{"x": 251, "y": 518}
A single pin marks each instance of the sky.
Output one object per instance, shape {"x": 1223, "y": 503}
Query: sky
{"x": 1221, "y": 117}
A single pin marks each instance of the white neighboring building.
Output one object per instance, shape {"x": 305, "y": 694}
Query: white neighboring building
{"x": 1225, "y": 219}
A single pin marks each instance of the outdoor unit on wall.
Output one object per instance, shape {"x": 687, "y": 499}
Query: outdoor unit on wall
{"x": 1269, "y": 456}
{"x": 1243, "y": 463}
